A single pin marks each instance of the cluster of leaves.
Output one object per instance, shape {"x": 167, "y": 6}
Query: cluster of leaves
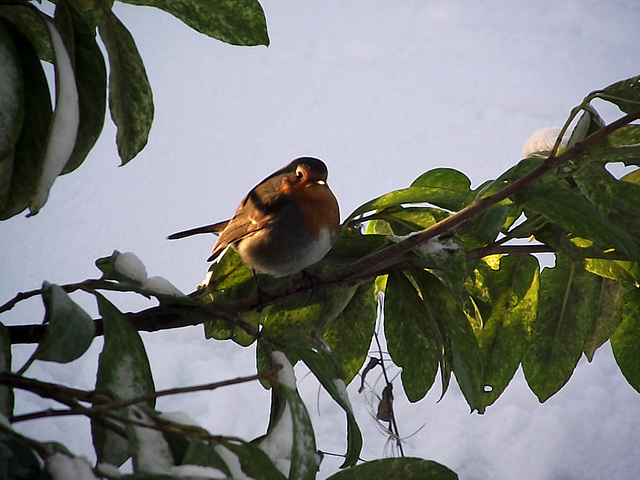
{"x": 448, "y": 271}
{"x": 124, "y": 423}
{"x": 30, "y": 160}
{"x": 474, "y": 301}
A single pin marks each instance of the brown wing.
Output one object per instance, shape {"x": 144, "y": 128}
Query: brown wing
{"x": 255, "y": 212}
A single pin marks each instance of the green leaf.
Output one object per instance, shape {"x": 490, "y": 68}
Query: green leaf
{"x": 304, "y": 462}
{"x": 130, "y": 98}
{"x": 351, "y": 245}
{"x": 626, "y": 339}
{"x": 6, "y": 393}
{"x": 397, "y": 469}
{"x": 294, "y": 322}
{"x": 11, "y": 101}
{"x": 411, "y": 336}
{"x": 443, "y": 187}
{"x": 254, "y": 462}
{"x": 71, "y": 329}
{"x": 452, "y": 188}
{"x": 18, "y": 461}
{"x": 241, "y": 22}
{"x": 204, "y": 453}
{"x": 597, "y": 185}
{"x": 231, "y": 279}
{"x": 626, "y": 221}
{"x": 632, "y": 177}
{"x": 579, "y": 217}
{"x": 349, "y": 336}
{"x": 290, "y": 428}
{"x": 320, "y": 363}
{"x": 625, "y": 94}
{"x": 613, "y": 269}
{"x": 513, "y": 291}
{"x": 627, "y": 197}
{"x": 626, "y": 136}
{"x": 486, "y": 226}
{"x": 124, "y": 371}
{"x": 623, "y": 145}
{"x": 91, "y": 78}
{"x": 30, "y": 147}
{"x": 403, "y": 220}
{"x": 567, "y": 308}
{"x": 609, "y": 315}
{"x": 28, "y": 21}
{"x": 150, "y": 451}
{"x": 448, "y": 313}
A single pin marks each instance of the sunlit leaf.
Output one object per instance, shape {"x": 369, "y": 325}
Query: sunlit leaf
{"x": 295, "y": 321}
{"x": 513, "y": 291}
{"x": 447, "y": 312}
{"x": 623, "y": 145}
{"x": 578, "y": 216}
{"x": 626, "y": 339}
{"x": 410, "y": 336}
{"x": 625, "y": 94}
{"x": 397, "y": 469}
{"x": 486, "y": 226}
{"x": 241, "y": 22}
{"x": 443, "y": 187}
{"x": 613, "y": 269}
{"x": 567, "y": 308}
{"x": 71, "y": 329}
{"x": 597, "y": 185}
{"x": 130, "y": 98}
{"x": 609, "y": 315}
{"x": 454, "y": 187}
{"x": 349, "y": 335}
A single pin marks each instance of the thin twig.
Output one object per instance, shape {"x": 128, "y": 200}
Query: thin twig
{"x": 195, "y": 388}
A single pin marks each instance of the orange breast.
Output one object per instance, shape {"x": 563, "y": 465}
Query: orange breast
{"x": 319, "y": 207}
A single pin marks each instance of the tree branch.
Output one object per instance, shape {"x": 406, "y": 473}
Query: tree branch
{"x": 166, "y": 317}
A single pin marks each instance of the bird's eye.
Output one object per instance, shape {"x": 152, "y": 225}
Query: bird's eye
{"x": 299, "y": 174}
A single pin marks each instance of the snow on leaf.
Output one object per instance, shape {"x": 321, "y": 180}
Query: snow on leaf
{"x": 131, "y": 267}
{"x": 541, "y": 141}
{"x": 63, "y": 467}
{"x": 64, "y": 128}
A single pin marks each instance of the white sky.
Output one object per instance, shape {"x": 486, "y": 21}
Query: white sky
{"x": 382, "y": 92}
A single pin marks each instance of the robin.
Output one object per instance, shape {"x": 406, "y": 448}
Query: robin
{"x": 286, "y": 223}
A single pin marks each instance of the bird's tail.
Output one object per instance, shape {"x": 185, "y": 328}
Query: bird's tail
{"x": 214, "y": 228}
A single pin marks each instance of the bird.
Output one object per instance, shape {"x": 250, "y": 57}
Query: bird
{"x": 286, "y": 223}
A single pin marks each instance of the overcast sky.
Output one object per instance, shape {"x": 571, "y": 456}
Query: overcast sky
{"x": 382, "y": 92}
